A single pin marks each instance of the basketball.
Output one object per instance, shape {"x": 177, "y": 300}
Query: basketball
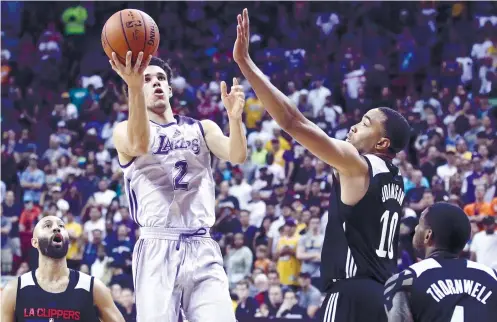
{"x": 130, "y": 30}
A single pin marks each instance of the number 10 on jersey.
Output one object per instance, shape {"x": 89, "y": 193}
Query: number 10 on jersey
{"x": 389, "y": 223}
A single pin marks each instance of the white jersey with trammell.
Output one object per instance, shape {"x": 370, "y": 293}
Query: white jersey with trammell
{"x": 172, "y": 186}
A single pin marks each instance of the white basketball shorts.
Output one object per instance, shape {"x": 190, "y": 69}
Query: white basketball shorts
{"x": 180, "y": 267}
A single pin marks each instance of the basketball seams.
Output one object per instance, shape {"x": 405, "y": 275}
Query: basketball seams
{"x": 124, "y": 30}
{"x": 145, "y": 29}
{"x": 108, "y": 43}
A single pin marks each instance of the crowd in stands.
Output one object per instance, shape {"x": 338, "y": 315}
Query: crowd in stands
{"x": 435, "y": 62}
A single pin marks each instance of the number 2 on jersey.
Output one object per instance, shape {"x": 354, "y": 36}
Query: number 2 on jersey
{"x": 178, "y": 182}
{"x": 385, "y": 219}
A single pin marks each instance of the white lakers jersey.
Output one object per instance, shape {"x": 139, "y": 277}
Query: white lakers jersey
{"x": 172, "y": 186}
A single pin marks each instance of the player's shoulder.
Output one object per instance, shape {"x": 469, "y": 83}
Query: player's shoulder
{"x": 425, "y": 265}
{"x": 9, "y": 297}
{"x": 25, "y": 280}
{"x": 85, "y": 281}
{"x": 405, "y": 279}
{"x": 482, "y": 268}
{"x": 376, "y": 164}
{"x": 181, "y": 119}
{"x": 120, "y": 127}
{"x": 400, "y": 282}
{"x": 10, "y": 288}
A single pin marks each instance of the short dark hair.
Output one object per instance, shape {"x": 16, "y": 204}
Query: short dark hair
{"x": 450, "y": 226}
{"x": 397, "y": 129}
{"x": 156, "y": 61}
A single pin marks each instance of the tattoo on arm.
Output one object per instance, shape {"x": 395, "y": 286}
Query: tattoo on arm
{"x": 400, "y": 312}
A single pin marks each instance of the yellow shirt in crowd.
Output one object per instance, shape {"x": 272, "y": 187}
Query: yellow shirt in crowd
{"x": 288, "y": 267}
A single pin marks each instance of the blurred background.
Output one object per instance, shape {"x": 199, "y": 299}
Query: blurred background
{"x": 435, "y": 62}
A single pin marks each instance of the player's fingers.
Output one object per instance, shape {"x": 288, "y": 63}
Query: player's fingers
{"x": 246, "y": 22}
{"x": 128, "y": 62}
{"x": 239, "y": 33}
{"x": 145, "y": 64}
{"x": 138, "y": 63}
{"x": 235, "y": 81}
{"x": 116, "y": 62}
{"x": 240, "y": 24}
{"x": 224, "y": 90}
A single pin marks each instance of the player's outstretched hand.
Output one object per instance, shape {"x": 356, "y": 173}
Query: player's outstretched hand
{"x": 234, "y": 101}
{"x": 132, "y": 75}
{"x": 240, "y": 50}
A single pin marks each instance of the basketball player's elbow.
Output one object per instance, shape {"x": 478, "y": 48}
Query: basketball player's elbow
{"x": 139, "y": 149}
{"x": 238, "y": 157}
{"x": 139, "y": 144}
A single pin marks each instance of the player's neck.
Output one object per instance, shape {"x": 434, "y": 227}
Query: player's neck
{"x": 163, "y": 118}
{"x": 433, "y": 252}
{"x": 50, "y": 269}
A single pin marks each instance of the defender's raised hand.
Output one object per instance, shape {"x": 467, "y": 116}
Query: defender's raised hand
{"x": 240, "y": 50}
{"x": 132, "y": 75}
{"x": 234, "y": 101}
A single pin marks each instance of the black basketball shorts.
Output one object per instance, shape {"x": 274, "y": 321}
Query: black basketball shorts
{"x": 354, "y": 300}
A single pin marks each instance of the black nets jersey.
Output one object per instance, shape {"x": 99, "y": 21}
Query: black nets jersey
{"x": 33, "y": 304}
{"x": 447, "y": 290}
{"x": 361, "y": 240}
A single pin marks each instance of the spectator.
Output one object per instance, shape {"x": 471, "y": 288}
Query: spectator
{"x": 309, "y": 296}
{"x": 473, "y": 179}
{"x": 484, "y": 244}
{"x": 119, "y": 276}
{"x": 240, "y": 189}
{"x": 96, "y": 222}
{"x": 11, "y": 211}
{"x": 32, "y": 180}
{"x": 104, "y": 196}
{"x": 247, "y": 229}
{"x": 128, "y": 307}
{"x": 239, "y": 260}
{"x": 7, "y": 254}
{"x": 262, "y": 261}
{"x": 90, "y": 252}
{"x": 275, "y": 295}
{"x": 29, "y": 217}
{"x": 479, "y": 209}
{"x": 290, "y": 309}
{"x": 447, "y": 170}
{"x": 100, "y": 268}
{"x": 74, "y": 230}
{"x": 256, "y": 209}
{"x": 309, "y": 250}
{"x": 288, "y": 265}
{"x": 121, "y": 249}
{"x": 247, "y": 306}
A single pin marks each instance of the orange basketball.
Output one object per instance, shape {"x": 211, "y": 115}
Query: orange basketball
{"x": 130, "y": 30}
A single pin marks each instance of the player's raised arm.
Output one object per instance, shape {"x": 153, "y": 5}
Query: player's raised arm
{"x": 234, "y": 147}
{"x": 341, "y": 155}
{"x": 132, "y": 137}
{"x": 9, "y": 294}
{"x": 105, "y": 304}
